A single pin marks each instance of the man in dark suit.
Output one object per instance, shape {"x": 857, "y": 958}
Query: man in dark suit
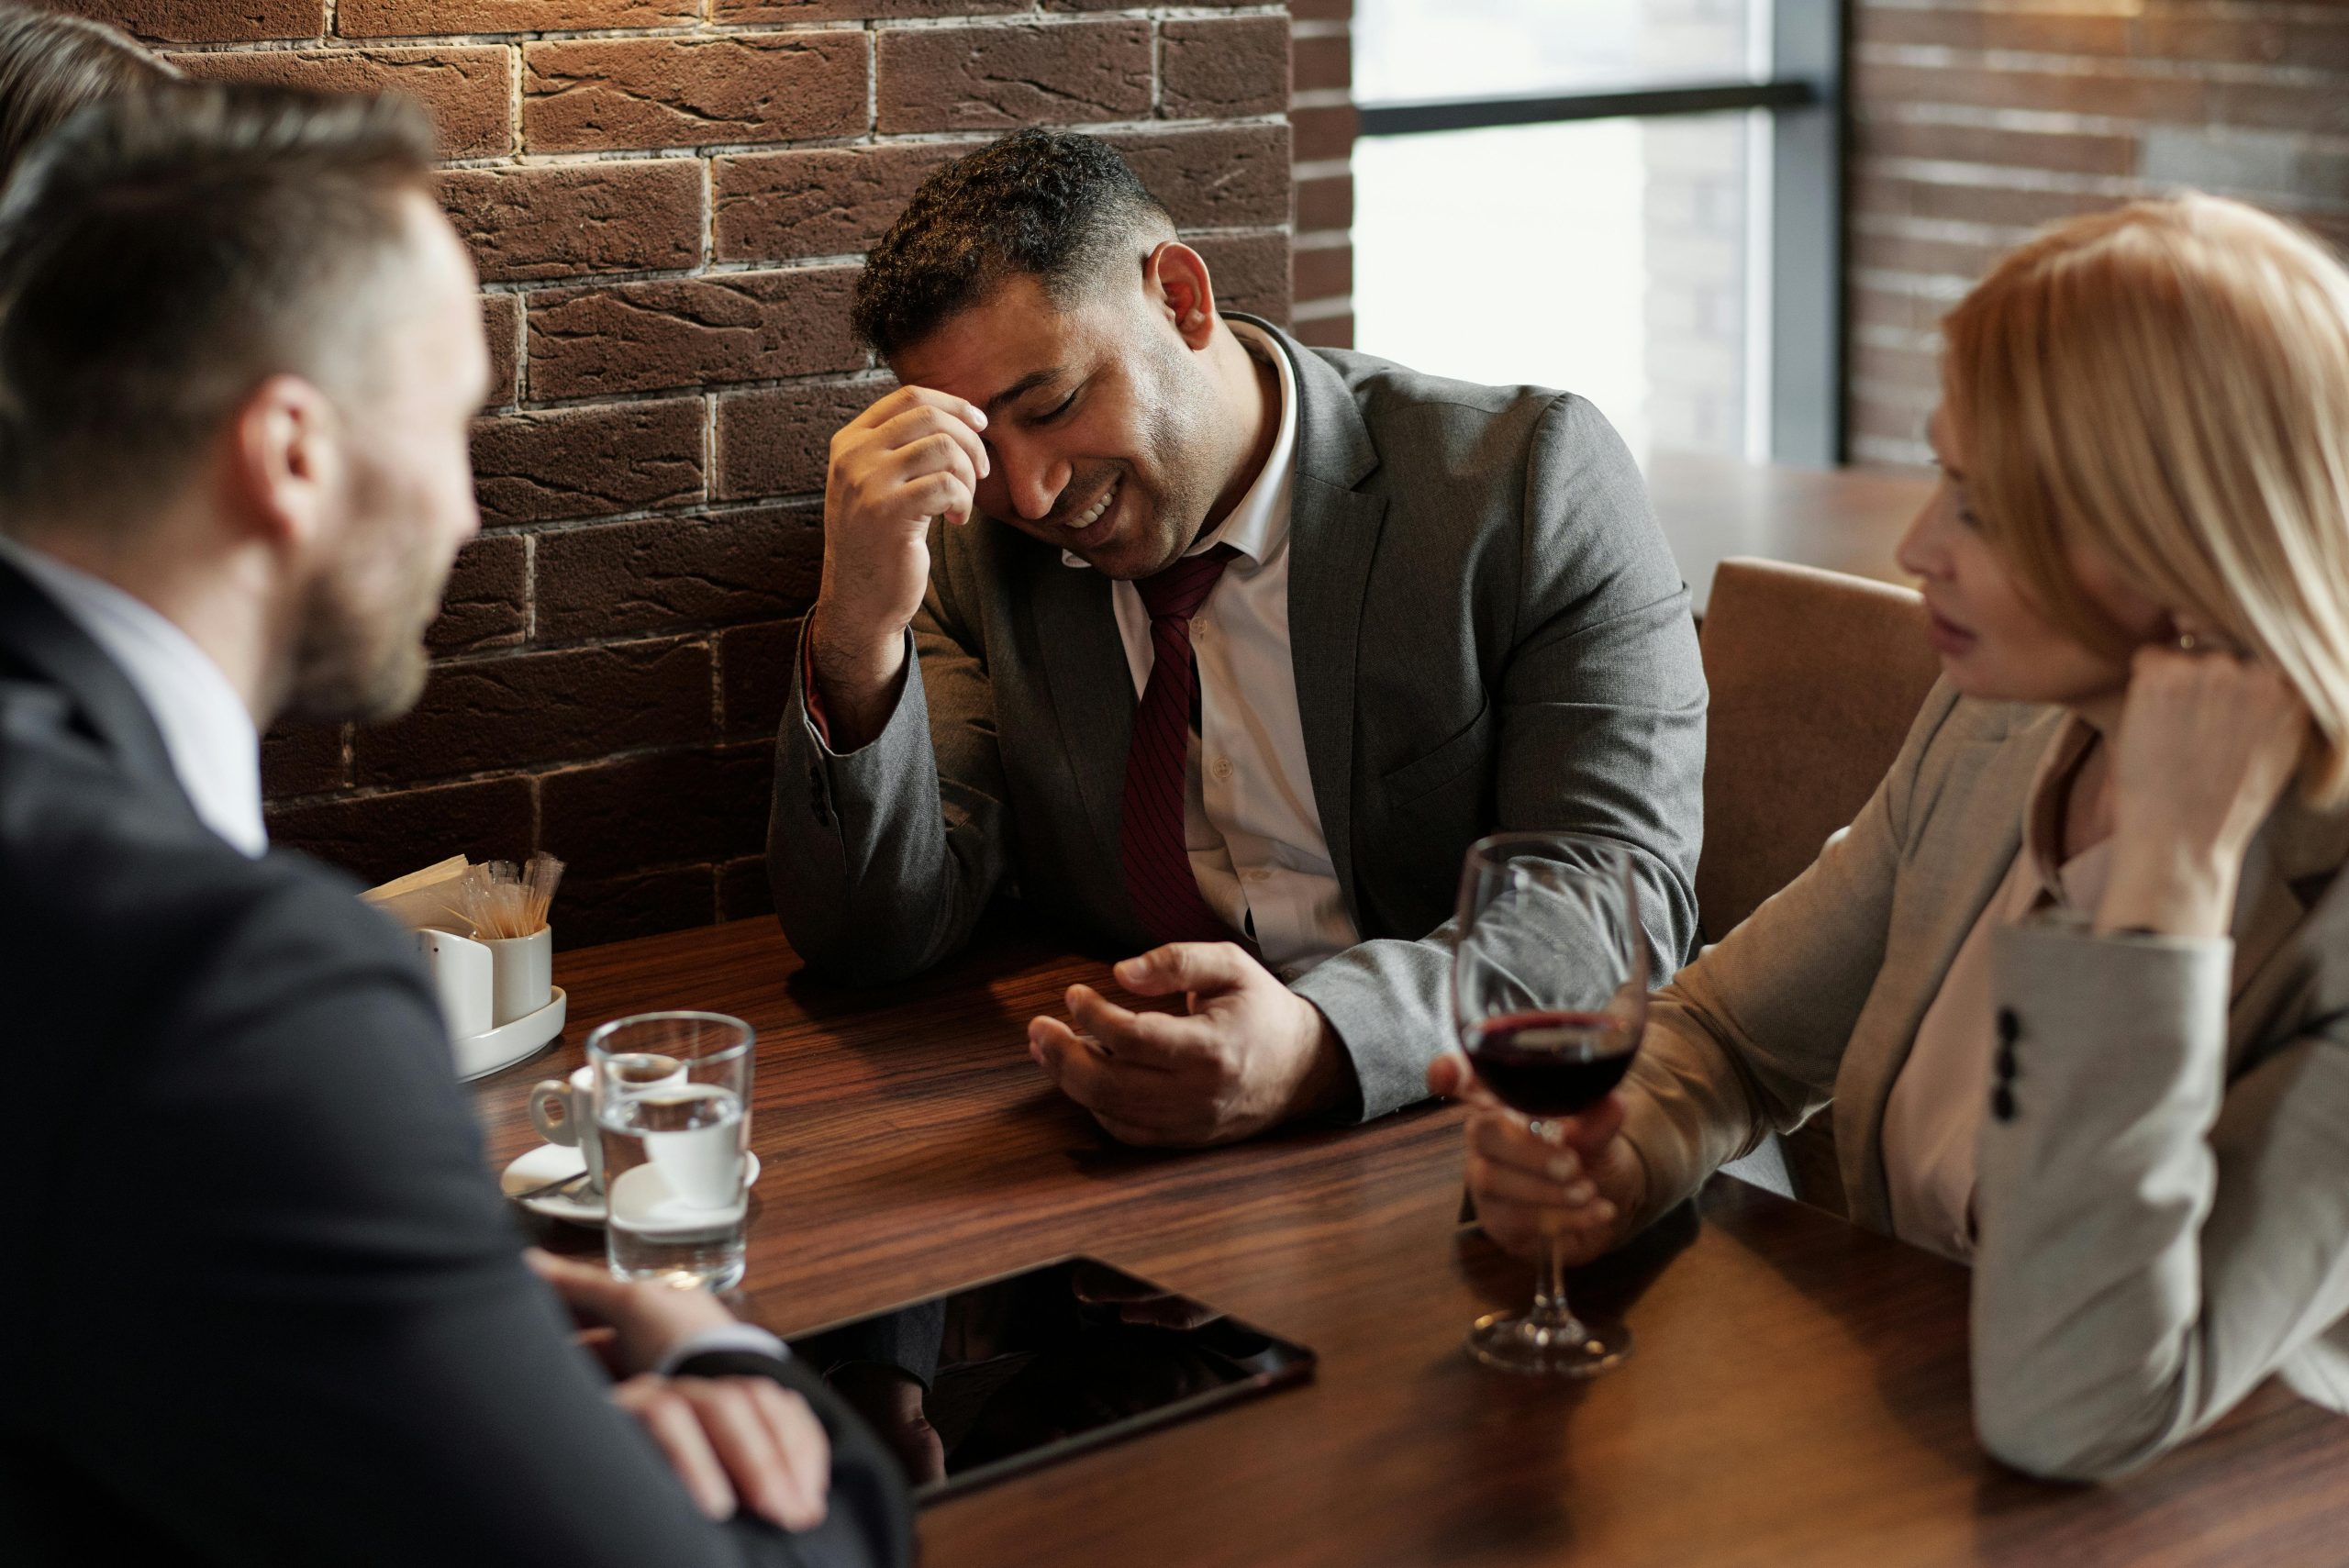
{"x": 1222, "y": 647}
{"x": 263, "y": 1305}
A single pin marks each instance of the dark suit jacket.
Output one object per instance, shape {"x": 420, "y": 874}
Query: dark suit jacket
{"x": 1488, "y": 632}
{"x": 261, "y": 1302}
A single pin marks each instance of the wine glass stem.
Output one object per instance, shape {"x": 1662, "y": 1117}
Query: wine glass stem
{"x": 1550, "y": 1309}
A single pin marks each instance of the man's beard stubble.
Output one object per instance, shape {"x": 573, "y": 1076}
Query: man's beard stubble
{"x": 358, "y": 648}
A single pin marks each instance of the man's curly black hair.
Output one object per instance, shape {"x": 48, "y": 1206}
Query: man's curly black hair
{"x": 1056, "y": 205}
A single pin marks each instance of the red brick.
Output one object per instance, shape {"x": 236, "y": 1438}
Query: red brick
{"x": 999, "y": 76}
{"x": 487, "y": 601}
{"x": 381, "y": 836}
{"x": 2104, "y": 90}
{"x": 205, "y": 21}
{"x": 1215, "y": 176}
{"x": 671, "y": 808}
{"x": 678, "y": 572}
{"x": 1877, "y": 251}
{"x": 297, "y": 758}
{"x": 501, "y": 327}
{"x": 743, "y": 891}
{"x": 588, "y": 911}
{"x": 774, "y": 11}
{"x": 468, "y": 89}
{"x": 2075, "y": 153}
{"x": 754, "y": 678}
{"x": 1325, "y": 272}
{"x": 1323, "y": 134}
{"x": 777, "y": 440}
{"x": 2315, "y": 39}
{"x": 2015, "y": 207}
{"x": 1222, "y": 67}
{"x": 1250, "y": 272}
{"x": 1326, "y": 331}
{"x": 642, "y": 337}
{"x": 1322, "y": 10}
{"x": 637, "y": 215}
{"x": 2039, "y": 31}
{"x": 831, "y": 201}
{"x": 513, "y": 710}
{"x": 594, "y": 95}
{"x": 537, "y": 466}
{"x": 439, "y": 19}
{"x": 1326, "y": 203}
{"x": 1322, "y": 65}
{"x": 1911, "y": 371}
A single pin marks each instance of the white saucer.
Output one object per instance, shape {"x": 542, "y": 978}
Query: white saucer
{"x": 479, "y": 1055}
{"x": 553, "y": 1162}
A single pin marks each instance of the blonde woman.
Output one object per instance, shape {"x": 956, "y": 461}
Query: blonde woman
{"x": 2077, "y": 980}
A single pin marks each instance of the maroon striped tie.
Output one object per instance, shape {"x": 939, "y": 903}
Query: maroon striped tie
{"x": 1150, "y": 837}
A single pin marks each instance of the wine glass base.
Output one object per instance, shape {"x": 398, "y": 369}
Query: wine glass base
{"x": 1519, "y": 1342}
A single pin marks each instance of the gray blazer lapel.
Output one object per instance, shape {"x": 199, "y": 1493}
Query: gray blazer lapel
{"x": 1092, "y": 689}
{"x": 1334, "y": 535}
{"x": 1929, "y": 927}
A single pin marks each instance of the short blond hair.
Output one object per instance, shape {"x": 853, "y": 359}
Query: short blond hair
{"x": 2169, "y": 384}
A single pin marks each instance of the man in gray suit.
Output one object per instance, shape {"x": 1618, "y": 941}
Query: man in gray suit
{"x": 1222, "y": 648}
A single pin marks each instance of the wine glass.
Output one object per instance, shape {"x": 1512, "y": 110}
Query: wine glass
{"x": 1549, "y": 994}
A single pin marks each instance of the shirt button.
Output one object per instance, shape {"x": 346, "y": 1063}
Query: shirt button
{"x": 2009, "y": 1026}
{"x": 1256, "y": 874}
{"x": 1222, "y": 769}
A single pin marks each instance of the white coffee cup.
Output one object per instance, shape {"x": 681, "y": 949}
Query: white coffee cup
{"x": 564, "y": 1110}
{"x": 521, "y": 975}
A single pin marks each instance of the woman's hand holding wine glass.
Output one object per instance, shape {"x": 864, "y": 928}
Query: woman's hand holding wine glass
{"x": 1549, "y": 995}
{"x": 1578, "y": 1192}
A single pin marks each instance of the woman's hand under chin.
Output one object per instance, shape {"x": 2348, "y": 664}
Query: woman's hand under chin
{"x": 2206, "y": 744}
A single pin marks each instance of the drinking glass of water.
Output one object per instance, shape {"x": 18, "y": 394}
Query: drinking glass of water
{"x": 673, "y": 1108}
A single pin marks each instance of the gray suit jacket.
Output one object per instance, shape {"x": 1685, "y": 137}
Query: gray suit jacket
{"x": 2163, "y": 1220}
{"x": 1488, "y": 632}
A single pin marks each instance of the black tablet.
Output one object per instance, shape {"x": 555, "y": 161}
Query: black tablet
{"x": 1001, "y": 1377}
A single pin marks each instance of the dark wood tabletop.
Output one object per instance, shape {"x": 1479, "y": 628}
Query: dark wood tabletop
{"x": 1843, "y": 519}
{"x": 1797, "y": 1395}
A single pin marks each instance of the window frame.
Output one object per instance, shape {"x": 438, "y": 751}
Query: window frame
{"x": 1802, "y": 98}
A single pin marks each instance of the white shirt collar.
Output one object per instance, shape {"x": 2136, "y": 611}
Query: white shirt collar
{"x": 207, "y": 731}
{"x": 1258, "y": 525}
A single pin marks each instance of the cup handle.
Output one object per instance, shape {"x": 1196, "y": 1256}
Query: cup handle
{"x": 552, "y": 1112}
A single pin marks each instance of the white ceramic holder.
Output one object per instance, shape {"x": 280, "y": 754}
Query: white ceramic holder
{"x": 497, "y": 998}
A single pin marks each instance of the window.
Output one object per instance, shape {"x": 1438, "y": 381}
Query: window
{"x": 1630, "y": 199}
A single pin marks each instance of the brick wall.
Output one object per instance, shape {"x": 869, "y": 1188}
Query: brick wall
{"x": 1974, "y": 123}
{"x": 667, "y": 200}
{"x": 1322, "y": 115}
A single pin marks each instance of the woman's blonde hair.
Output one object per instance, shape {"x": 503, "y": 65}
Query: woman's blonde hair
{"x": 2169, "y": 384}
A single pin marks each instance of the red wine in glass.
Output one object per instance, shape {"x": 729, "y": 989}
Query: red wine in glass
{"x": 1549, "y": 995}
{"x": 1552, "y": 1063}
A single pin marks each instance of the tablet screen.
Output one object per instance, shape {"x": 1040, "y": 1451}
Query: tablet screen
{"x": 994, "y": 1378}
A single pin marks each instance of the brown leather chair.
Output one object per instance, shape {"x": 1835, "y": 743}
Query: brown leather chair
{"x": 1816, "y": 678}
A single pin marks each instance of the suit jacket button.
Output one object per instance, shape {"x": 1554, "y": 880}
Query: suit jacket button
{"x": 2009, "y": 1026}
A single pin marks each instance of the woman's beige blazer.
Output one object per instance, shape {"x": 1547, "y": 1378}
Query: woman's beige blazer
{"x": 2163, "y": 1207}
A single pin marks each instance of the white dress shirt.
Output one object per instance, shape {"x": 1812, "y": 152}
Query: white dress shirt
{"x": 1249, "y": 816}
{"x": 207, "y": 730}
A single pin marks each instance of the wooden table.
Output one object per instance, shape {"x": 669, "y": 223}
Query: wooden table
{"x": 1844, "y": 519}
{"x": 1798, "y": 1393}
